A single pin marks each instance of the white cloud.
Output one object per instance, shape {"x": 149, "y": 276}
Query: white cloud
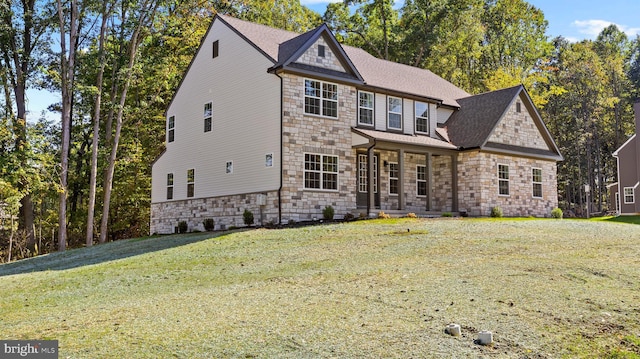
{"x": 592, "y": 28}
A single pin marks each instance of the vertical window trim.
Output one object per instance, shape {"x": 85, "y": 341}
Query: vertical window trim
{"x": 535, "y": 183}
{"x": 323, "y": 100}
{"x": 208, "y": 117}
{"x": 389, "y": 112}
{"x": 392, "y": 179}
{"x": 372, "y": 108}
{"x": 418, "y": 180}
{"x": 171, "y": 126}
{"x": 504, "y": 180}
{"x": 216, "y": 48}
{"x": 416, "y": 117}
{"x": 322, "y": 171}
{"x": 169, "y": 186}
{"x": 191, "y": 180}
{"x": 632, "y": 195}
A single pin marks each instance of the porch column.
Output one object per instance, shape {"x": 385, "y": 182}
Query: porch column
{"x": 429, "y": 179}
{"x": 371, "y": 195}
{"x": 454, "y": 182}
{"x": 400, "y": 179}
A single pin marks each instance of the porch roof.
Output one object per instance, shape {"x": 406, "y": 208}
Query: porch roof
{"x": 404, "y": 139}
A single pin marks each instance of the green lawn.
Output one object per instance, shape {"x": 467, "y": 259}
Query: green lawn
{"x": 366, "y": 289}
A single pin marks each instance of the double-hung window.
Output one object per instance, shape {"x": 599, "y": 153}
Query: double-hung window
{"x": 537, "y": 182}
{"x": 320, "y": 98}
{"x": 208, "y": 113}
{"x": 629, "y": 195}
{"x": 169, "y": 185}
{"x": 394, "y": 171}
{"x": 394, "y": 113}
{"x": 421, "y": 180}
{"x": 191, "y": 179}
{"x": 503, "y": 180}
{"x": 171, "y": 125}
{"x": 320, "y": 171}
{"x": 422, "y": 117}
{"x": 365, "y": 108}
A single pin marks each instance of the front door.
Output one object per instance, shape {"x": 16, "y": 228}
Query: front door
{"x": 362, "y": 193}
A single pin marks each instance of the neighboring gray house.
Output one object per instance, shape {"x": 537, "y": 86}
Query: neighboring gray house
{"x": 624, "y": 193}
{"x": 285, "y": 124}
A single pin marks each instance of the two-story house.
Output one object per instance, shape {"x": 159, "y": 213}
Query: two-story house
{"x": 285, "y": 124}
{"x": 624, "y": 193}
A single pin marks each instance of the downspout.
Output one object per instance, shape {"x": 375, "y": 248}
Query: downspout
{"x": 370, "y": 188}
{"x": 281, "y": 146}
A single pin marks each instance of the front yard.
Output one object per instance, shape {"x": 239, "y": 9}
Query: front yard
{"x": 374, "y": 289}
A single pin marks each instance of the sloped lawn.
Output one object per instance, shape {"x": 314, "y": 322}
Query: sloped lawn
{"x": 367, "y": 289}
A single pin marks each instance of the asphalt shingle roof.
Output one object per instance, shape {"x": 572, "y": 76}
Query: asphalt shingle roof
{"x": 375, "y": 72}
{"x": 471, "y": 125}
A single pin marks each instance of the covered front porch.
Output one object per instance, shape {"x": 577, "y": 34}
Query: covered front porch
{"x": 400, "y": 173}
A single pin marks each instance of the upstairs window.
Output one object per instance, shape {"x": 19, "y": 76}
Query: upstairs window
{"x": 422, "y": 117}
{"x": 518, "y": 107}
{"x": 421, "y": 180}
{"x": 268, "y": 160}
{"x": 537, "y": 182}
{"x": 169, "y": 185}
{"x": 191, "y": 179}
{"x": 394, "y": 172}
{"x": 229, "y": 167}
{"x": 320, "y": 171}
{"x": 394, "y": 117}
{"x": 503, "y": 180}
{"x": 208, "y": 112}
{"x": 171, "y": 124}
{"x": 320, "y": 98}
{"x": 320, "y": 50}
{"x": 629, "y": 195}
{"x": 365, "y": 108}
{"x": 216, "y": 48}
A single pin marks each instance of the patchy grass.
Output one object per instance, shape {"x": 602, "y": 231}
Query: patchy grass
{"x": 545, "y": 288}
{"x": 620, "y": 219}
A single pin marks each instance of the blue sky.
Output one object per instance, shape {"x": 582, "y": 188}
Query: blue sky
{"x": 574, "y": 19}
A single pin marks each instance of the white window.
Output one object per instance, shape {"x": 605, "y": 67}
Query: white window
{"x": 320, "y": 98}
{"x": 191, "y": 179}
{"x": 320, "y": 171}
{"x": 537, "y": 182}
{"x": 365, "y": 108}
{"x": 394, "y": 113}
{"x": 422, "y": 117}
{"x": 363, "y": 173}
{"x": 421, "y": 180}
{"x": 169, "y": 185}
{"x": 503, "y": 180}
{"x": 268, "y": 160}
{"x": 229, "y": 167}
{"x": 629, "y": 195}
{"x": 208, "y": 112}
{"x": 394, "y": 171}
{"x": 171, "y": 124}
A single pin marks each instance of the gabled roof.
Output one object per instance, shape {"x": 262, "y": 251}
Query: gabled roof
{"x": 281, "y": 47}
{"x": 472, "y": 125}
{"x": 630, "y": 140}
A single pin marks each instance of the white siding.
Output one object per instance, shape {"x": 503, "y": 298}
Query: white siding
{"x": 246, "y": 123}
{"x": 408, "y": 118}
{"x": 443, "y": 115}
{"x": 381, "y": 112}
{"x": 433, "y": 119}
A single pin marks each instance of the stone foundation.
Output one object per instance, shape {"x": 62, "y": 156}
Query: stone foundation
{"x": 226, "y": 211}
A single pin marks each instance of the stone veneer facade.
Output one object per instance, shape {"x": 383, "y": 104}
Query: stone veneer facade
{"x": 227, "y": 211}
{"x": 478, "y": 185}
